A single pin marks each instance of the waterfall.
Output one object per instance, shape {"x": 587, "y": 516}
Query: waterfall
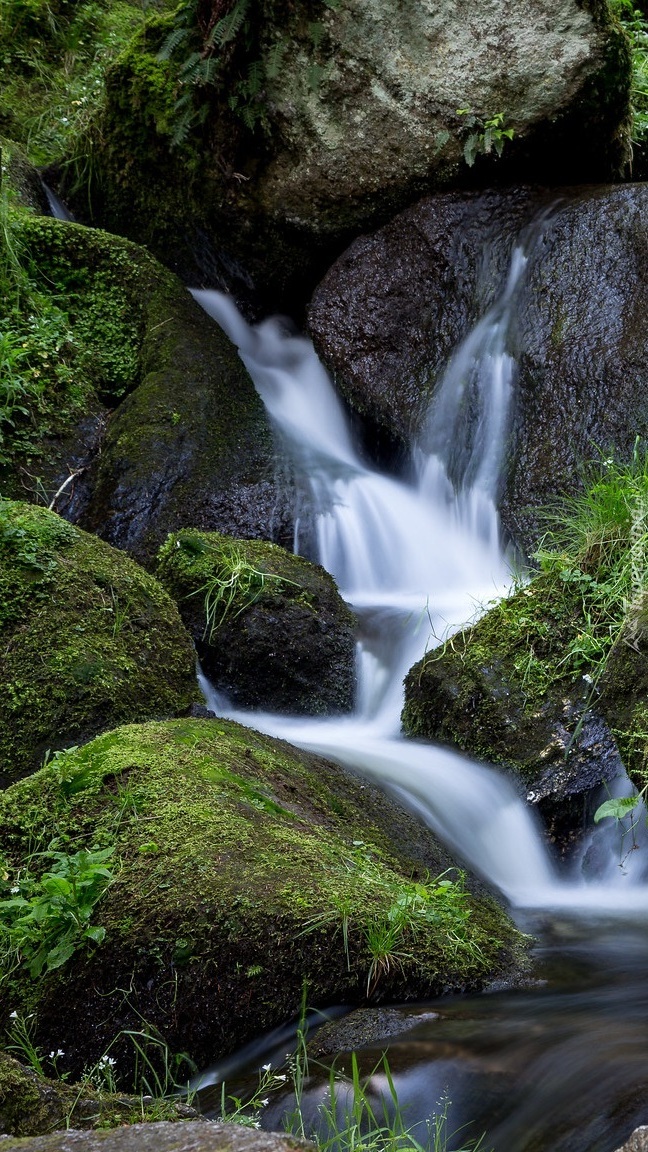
{"x": 415, "y": 561}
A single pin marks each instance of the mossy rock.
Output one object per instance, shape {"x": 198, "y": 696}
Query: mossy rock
{"x": 270, "y": 628}
{"x": 31, "y": 1105}
{"x": 189, "y": 430}
{"x": 624, "y": 692}
{"x": 324, "y": 120}
{"x": 241, "y": 860}
{"x": 89, "y": 640}
{"x": 21, "y": 178}
{"x": 499, "y": 691}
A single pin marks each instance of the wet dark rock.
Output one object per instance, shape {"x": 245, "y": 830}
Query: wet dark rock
{"x": 270, "y": 628}
{"x": 238, "y": 855}
{"x": 163, "y": 1137}
{"x": 363, "y": 1028}
{"x": 359, "y": 120}
{"x": 499, "y": 692}
{"x": 624, "y": 691}
{"x": 388, "y": 314}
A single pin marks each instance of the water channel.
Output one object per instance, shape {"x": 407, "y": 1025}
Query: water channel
{"x": 563, "y": 1064}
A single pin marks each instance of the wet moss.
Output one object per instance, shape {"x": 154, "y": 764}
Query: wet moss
{"x": 89, "y": 640}
{"x": 270, "y": 628}
{"x": 241, "y": 858}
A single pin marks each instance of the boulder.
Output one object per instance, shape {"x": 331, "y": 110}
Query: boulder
{"x": 504, "y": 690}
{"x": 32, "y": 1105}
{"x": 637, "y": 1141}
{"x": 270, "y": 628}
{"x": 89, "y": 640}
{"x": 242, "y": 869}
{"x": 317, "y": 123}
{"x": 624, "y": 691}
{"x": 145, "y": 409}
{"x": 388, "y": 315}
{"x": 163, "y": 1137}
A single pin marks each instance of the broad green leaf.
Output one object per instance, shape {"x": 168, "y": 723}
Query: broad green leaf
{"x": 617, "y": 809}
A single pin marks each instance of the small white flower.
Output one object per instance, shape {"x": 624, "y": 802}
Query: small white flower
{"x": 14, "y": 890}
{"x": 266, "y": 1067}
{"x": 280, "y": 1076}
{"x": 264, "y": 1103}
{"x": 587, "y": 678}
{"x": 13, "y": 1015}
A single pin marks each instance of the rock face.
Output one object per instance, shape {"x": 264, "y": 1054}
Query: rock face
{"x": 637, "y": 1141}
{"x": 32, "y": 1105}
{"x": 240, "y": 861}
{"x": 163, "y": 1137}
{"x": 356, "y": 116}
{"x": 270, "y": 628}
{"x": 389, "y": 313}
{"x": 89, "y": 640}
{"x": 501, "y": 691}
{"x": 624, "y": 691}
{"x": 169, "y": 426}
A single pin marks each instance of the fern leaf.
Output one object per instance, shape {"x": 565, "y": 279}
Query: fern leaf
{"x": 172, "y": 43}
{"x": 274, "y": 60}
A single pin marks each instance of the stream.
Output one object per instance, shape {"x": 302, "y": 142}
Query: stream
{"x": 563, "y": 1064}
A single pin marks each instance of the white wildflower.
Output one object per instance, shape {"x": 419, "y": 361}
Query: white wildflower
{"x": 587, "y": 678}
{"x": 13, "y": 1015}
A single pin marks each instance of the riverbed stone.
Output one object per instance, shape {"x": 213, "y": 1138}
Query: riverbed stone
{"x": 163, "y": 1137}
{"x": 360, "y": 107}
{"x": 388, "y": 315}
{"x": 244, "y": 868}
{"x": 270, "y": 628}
{"x": 89, "y": 640}
{"x": 502, "y": 691}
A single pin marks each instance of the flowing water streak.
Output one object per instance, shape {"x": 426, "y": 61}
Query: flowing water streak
{"x": 415, "y": 561}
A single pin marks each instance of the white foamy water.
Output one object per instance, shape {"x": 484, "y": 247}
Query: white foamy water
{"x": 415, "y": 561}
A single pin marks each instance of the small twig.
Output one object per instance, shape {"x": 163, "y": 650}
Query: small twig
{"x": 64, "y": 485}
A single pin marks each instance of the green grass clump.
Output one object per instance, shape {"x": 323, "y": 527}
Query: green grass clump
{"x": 635, "y": 25}
{"x": 596, "y": 545}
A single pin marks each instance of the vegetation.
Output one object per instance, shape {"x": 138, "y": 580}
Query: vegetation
{"x": 89, "y": 639}
{"x": 635, "y": 23}
{"x": 484, "y": 135}
{"x": 237, "y": 853}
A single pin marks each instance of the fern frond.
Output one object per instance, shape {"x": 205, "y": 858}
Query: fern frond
{"x": 172, "y": 43}
{"x": 274, "y": 60}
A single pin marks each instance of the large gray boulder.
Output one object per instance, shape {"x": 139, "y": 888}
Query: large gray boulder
{"x": 389, "y": 313}
{"x": 354, "y": 113}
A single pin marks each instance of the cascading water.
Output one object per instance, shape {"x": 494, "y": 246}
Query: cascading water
{"x": 416, "y": 560}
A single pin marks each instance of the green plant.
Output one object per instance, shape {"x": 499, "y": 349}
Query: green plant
{"x": 635, "y": 25}
{"x": 21, "y": 1040}
{"x": 484, "y": 135}
{"x": 45, "y": 919}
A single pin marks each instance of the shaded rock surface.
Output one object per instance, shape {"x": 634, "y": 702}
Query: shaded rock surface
{"x": 499, "y": 691}
{"x": 356, "y": 117}
{"x": 162, "y": 1137}
{"x": 89, "y": 640}
{"x": 624, "y": 691}
{"x": 170, "y": 429}
{"x": 637, "y": 1141}
{"x": 362, "y": 1028}
{"x": 270, "y": 628}
{"x": 388, "y": 314}
{"x": 31, "y": 1105}
{"x": 239, "y": 855}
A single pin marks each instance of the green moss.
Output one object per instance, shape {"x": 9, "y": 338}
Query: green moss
{"x": 271, "y": 628}
{"x": 253, "y": 865}
{"x": 492, "y": 689}
{"x": 88, "y": 639}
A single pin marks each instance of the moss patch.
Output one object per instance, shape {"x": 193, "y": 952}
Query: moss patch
{"x": 89, "y": 640}
{"x": 241, "y": 858}
{"x": 270, "y": 628}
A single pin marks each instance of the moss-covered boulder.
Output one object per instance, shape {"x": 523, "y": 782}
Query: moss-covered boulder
{"x": 115, "y": 335}
{"x": 516, "y": 689}
{"x": 242, "y": 868}
{"x": 32, "y": 1104}
{"x": 624, "y": 692}
{"x": 270, "y": 628}
{"x": 272, "y": 134}
{"x": 19, "y": 179}
{"x": 89, "y": 640}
